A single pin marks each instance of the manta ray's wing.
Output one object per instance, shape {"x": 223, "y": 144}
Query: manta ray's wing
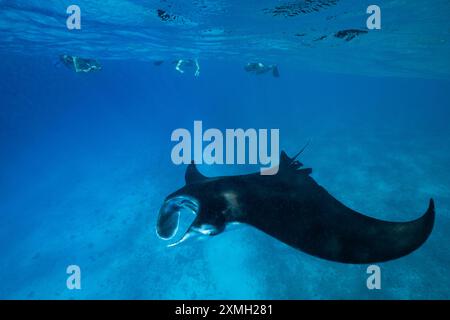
{"x": 297, "y": 211}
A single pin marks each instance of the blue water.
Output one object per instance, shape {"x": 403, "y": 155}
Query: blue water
{"x": 85, "y": 158}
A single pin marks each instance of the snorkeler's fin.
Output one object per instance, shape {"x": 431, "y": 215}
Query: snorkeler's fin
{"x": 275, "y": 71}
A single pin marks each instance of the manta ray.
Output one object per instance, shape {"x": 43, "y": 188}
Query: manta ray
{"x": 292, "y": 207}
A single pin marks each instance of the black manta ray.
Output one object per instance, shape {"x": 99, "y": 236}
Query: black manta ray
{"x": 291, "y": 207}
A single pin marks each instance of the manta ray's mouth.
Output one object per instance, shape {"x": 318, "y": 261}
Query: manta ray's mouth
{"x": 176, "y": 217}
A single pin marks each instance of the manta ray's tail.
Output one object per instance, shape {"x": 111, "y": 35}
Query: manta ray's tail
{"x": 301, "y": 151}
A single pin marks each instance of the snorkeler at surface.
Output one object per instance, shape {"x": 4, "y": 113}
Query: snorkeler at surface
{"x": 188, "y": 63}
{"x": 78, "y": 64}
{"x": 260, "y": 68}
